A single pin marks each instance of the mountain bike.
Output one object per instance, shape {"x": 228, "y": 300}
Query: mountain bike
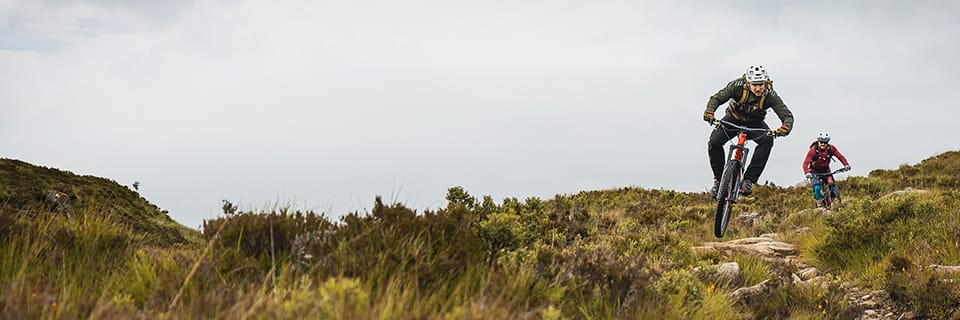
{"x": 730, "y": 181}
{"x": 831, "y": 195}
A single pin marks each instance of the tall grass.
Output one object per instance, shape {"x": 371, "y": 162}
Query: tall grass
{"x": 621, "y": 253}
{"x": 52, "y": 265}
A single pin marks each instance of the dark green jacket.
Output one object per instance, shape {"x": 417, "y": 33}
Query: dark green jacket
{"x": 749, "y": 111}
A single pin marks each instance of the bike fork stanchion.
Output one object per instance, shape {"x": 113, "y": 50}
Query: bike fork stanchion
{"x": 739, "y": 153}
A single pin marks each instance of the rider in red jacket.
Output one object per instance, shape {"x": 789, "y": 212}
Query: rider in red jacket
{"x": 817, "y": 161}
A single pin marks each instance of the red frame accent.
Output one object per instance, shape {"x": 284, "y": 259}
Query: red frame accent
{"x": 741, "y": 139}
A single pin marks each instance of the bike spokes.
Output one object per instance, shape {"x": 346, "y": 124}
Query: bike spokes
{"x": 729, "y": 187}
{"x": 719, "y": 226}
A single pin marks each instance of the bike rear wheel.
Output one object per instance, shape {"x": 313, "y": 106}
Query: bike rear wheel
{"x": 835, "y": 194}
{"x": 827, "y": 195}
{"x": 726, "y": 196}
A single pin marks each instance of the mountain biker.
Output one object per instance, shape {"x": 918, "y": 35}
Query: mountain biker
{"x": 818, "y": 161}
{"x": 750, "y": 97}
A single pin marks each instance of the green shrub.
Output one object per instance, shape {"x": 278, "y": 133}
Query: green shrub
{"x": 790, "y": 301}
{"x": 501, "y": 230}
{"x": 264, "y": 237}
{"x": 930, "y": 294}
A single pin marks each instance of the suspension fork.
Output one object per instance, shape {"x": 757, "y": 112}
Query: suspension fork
{"x": 738, "y": 152}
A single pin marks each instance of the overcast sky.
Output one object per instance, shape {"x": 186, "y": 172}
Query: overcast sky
{"x": 325, "y": 104}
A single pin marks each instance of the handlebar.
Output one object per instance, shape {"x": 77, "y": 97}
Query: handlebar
{"x": 719, "y": 122}
{"x": 831, "y": 173}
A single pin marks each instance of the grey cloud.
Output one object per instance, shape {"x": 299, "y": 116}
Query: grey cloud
{"x": 331, "y": 103}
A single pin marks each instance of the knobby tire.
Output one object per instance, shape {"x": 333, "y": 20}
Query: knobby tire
{"x": 827, "y": 195}
{"x": 835, "y": 197}
{"x": 726, "y": 192}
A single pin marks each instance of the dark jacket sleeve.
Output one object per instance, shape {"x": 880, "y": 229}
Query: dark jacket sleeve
{"x": 786, "y": 117}
{"x": 724, "y": 95}
{"x": 807, "y": 160}
{"x": 836, "y": 153}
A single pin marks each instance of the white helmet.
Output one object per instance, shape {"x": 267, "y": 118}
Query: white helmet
{"x": 823, "y": 137}
{"x": 757, "y": 74}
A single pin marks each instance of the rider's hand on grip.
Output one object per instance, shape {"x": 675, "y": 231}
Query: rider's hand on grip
{"x": 708, "y": 117}
{"x": 846, "y": 168}
{"x": 809, "y": 176}
{"x": 782, "y": 131}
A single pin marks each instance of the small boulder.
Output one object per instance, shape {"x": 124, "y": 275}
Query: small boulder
{"x": 808, "y": 273}
{"x": 731, "y": 273}
{"x": 59, "y": 202}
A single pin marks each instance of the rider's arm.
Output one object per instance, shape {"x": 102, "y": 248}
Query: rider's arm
{"x": 836, "y": 153}
{"x": 725, "y": 94}
{"x": 786, "y": 117}
{"x": 806, "y": 160}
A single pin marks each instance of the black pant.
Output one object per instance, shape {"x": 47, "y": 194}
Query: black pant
{"x": 722, "y": 134}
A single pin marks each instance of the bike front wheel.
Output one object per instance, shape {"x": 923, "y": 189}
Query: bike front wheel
{"x": 726, "y": 196}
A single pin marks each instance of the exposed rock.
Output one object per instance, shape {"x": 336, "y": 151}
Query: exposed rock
{"x": 59, "y": 202}
{"x": 728, "y": 273}
{"x": 796, "y": 279}
{"x": 748, "y": 218}
{"x": 774, "y": 236}
{"x": 763, "y": 246}
{"x": 703, "y": 249}
{"x": 756, "y": 291}
{"x": 817, "y": 210}
{"x": 731, "y": 273}
{"x": 874, "y": 304}
{"x": 862, "y": 304}
{"x": 808, "y": 273}
{"x": 900, "y": 193}
{"x": 944, "y": 269}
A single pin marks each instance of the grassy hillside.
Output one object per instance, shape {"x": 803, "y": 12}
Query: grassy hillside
{"x": 620, "y": 253}
{"x": 23, "y": 189}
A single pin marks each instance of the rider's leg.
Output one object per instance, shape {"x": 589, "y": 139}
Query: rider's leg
{"x": 836, "y": 192}
{"x": 715, "y": 150}
{"x": 815, "y": 183}
{"x": 760, "y": 154}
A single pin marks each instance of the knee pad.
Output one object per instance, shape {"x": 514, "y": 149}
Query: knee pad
{"x": 816, "y": 191}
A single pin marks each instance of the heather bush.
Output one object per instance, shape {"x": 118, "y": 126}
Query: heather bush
{"x": 621, "y": 253}
{"x": 264, "y": 235}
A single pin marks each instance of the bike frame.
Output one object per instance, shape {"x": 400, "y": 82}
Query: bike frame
{"x": 738, "y": 152}
{"x": 825, "y": 189}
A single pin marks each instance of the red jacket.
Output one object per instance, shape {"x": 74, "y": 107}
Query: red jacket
{"x": 819, "y": 160}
